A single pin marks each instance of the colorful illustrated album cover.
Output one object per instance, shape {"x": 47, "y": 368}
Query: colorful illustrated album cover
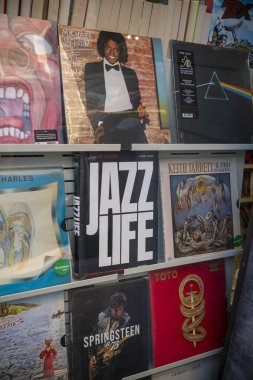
{"x": 115, "y": 212}
{"x": 110, "y": 330}
{"x": 30, "y": 92}
{"x": 32, "y": 338}
{"x": 212, "y": 94}
{"x": 199, "y": 205}
{"x": 188, "y": 310}
{"x": 34, "y": 249}
{"x": 231, "y": 26}
{"x": 114, "y": 87}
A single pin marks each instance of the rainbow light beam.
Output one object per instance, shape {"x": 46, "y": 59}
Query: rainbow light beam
{"x": 238, "y": 90}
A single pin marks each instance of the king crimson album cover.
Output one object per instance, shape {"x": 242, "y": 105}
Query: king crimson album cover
{"x": 115, "y": 212}
{"x": 34, "y": 248}
{"x": 211, "y": 94}
{"x": 30, "y": 90}
{"x": 114, "y": 87}
{"x": 110, "y": 330}
{"x": 200, "y": 210}
{"x": 188, "y": 310}
{"x": 32, "y": 333}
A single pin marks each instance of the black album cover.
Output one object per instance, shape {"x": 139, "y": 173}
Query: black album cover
{"x": 212, "y": 94}
{"x": 110, "y": 330}
{"x": 115, "y": 212}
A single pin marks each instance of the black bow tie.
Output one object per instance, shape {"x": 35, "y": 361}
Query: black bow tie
{"x": 109, "y": 67}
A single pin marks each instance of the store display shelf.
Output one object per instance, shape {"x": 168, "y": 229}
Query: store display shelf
{"x": 58, "y": 288}
{"x": 183, "y": 261}
{"x": 179, "y": 363}
{"x": 246, "y": 200}
{"x": 131, "y": 272}
{"x": 69, "y": 148}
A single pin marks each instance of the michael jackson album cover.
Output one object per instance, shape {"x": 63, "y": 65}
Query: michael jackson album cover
{"x": 115, "y": 212}
{"x": 199, "y": 205}
{"x": 212, "y": 94}
{"x": 34, "y": 247}
{"x": 30, "y": 90}
{"x": 32, "y": 338}
{"x": 110, "y": 330}
{"x": 188, "y": 310}
{"x": 114, "y": 87}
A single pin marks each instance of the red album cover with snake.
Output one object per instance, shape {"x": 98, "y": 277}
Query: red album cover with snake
{"x": 188, "y": 307}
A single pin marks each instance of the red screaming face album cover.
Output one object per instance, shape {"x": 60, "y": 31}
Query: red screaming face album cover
{"x": 188, "y": 310}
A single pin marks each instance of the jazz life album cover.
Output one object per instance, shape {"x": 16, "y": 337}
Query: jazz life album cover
{"x": 32, "y": 338}
{"x": 231, "y": 26}
{"x": 110, "y": 330}
{"x": 113, "y": 86}
{"x": 115, "y": 212}
{"x": 211, "y": 94}
{"x": 34, "y": 248}
{"x": 199, "y": 205}
{"x": 185, "y": 324}
{"x": 30, "y": 90}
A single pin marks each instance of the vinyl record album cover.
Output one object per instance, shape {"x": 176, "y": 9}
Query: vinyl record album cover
{"x": 231, "y": 25}
{"x": 199, "y": 205}
{"x": 114, "y": 87}
{"x": 34, "y": 248}
{"x": 212, "y": 94}
{"x": 110, "y": 330}
{"x": 115, "y": 211}
{"x": 188, "y": 310}
{"x": 32, "y": 333}
{"x": 30, "y": 91}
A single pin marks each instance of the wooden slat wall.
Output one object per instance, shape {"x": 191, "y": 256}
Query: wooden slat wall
{"x": 126, "y": 16}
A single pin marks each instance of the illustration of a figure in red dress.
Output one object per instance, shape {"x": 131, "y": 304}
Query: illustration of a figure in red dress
{"x": 48, "y": 354}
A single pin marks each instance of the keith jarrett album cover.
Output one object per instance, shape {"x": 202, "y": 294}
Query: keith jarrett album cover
{"x": 188, "y": 310}
{"x": 32, "y": 334}
{"x": 212, "y": 94}
{"x": 30, "y": 90}
{"x": 110, "y": 330}
{"x": 199, "y": 205}
{"x": 114, "y": 87}
{"x": 115, "y": 211}
{"x": 34, "y": 248}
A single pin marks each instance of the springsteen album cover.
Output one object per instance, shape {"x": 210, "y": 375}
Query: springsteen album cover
{"x": 110, "y": 330}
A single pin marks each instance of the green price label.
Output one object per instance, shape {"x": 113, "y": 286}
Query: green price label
{"x": 237, "y": 240}
{"x": 62, "y": 267}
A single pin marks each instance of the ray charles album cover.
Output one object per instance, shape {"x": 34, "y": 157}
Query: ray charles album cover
{"x": 34, "y": 248}
{"x": 32, "y": 333}
{"x": 115, "y": 211}
{"x": 110, "y": 330}
{"x": 30, "y": 91}
{"x": 114, "y": 87}
{"x": 211, "y": 93}
{"x": 188, "y": 310}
